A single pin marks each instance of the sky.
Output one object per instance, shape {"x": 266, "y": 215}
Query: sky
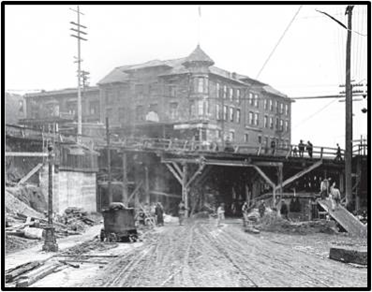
{"x": 308, "y": 61}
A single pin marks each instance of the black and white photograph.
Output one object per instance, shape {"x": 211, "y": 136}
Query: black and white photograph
{"x": 185, "y": 145}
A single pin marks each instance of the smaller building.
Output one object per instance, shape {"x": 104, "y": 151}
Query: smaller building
{"x": 49, "y": 109}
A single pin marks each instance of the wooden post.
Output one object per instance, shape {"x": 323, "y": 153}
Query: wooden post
{"x": 349, "y": 113}
{"x": 108, "y": 162}
{"x": 125, "y": 180}
{"x": 147, "y": 188}
{"x": 185, "y": 196}
{"x": 280, "y": 177}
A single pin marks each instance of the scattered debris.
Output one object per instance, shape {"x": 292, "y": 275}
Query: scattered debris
{"x": 12, "y": 274}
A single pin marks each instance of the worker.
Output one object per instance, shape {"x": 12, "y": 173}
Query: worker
{"x": 301, "y": 148}
{"x": 284, "y": 210}
{"x": 338, "y": 154}
{"x": 220, "y": 213}
{"x": 324, "y": 186}
{"x": 181, "y": 212}
{"x": 272, "y": 145}
{"x": 309, "y": 149}
{"x": 245, "y": 213}
{"x": 159, "y": 214}
{"x": 262, "y": 209}
{"x": 294, "y": 151}
{"x": 335, "y": 196}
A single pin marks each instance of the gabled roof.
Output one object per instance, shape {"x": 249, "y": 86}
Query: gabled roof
{"x": 269, "y": 89}
{"x": 198, "y": 55}
{"x": 116, "y": 75}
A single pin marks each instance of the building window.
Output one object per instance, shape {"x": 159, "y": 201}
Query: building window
{"x": 200, "y": 85}
{"x": 256, "y": 119}
{"x": 225, "y": 112}
{"x": 266, "y": 141}
{"x": 286, "y": 109}
{"x": 203, "y": 133}
{"x": 266, "y": 122}
{"x": 265, "y": 104}
{"x": 224, "y": 91}
{"x": 218, "y": 112}
{"x": 251, "y": 121}
{"x": 246, "y": 138}
{"x": 173, "y": 110}
{"x": 238, "y": 95}
{"x": 256, "y": 100}
{"x": 231, "y": 95}
{"x": 281, "y": 108}
{"x": 121, "y": 115}
{"x": 271, "y": 123}
{"x": 231, "y": 114}
{"x": 200, "y": 108}
{"x": 277, "y": 106}
{"x": 172, "y": 91}
{"x": 251, "y": 98}
{"x": 277, "y": 124}
{"x": 218, "y": 134}
{"x": 218, "y": 89}
{"x": 139, "y": 89}
{"x": 140, "y": 114}
{"x": 94, "y": 107}
{"x": 232, "y": 135}
{"x": 238, "y": 116}
{"x": 259, "y": 139}
{"x": 286, "y": 126}
{"x": 281, "y": 125}
{"x": 271, "y": 105}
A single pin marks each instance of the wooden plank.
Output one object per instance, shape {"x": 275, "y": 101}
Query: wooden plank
{"x": 267, "y": 163}
{"x": 31, "y": 173}
{"x": 164, "y": 194}
{"x": 28, "y": 154}
{"x": 12, "y": 274}
{"x": 347, "y": 255}
{"x": 177, "y": 168}
{"x": 36, "y": 275}
{"x": 300, "y": 174}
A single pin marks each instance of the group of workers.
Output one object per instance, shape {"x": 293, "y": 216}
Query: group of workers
{"x": 152, "y": 215}
{"x": 330, "y": 192}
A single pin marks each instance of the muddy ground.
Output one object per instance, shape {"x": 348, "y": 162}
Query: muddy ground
{"x": 200, "y": 254}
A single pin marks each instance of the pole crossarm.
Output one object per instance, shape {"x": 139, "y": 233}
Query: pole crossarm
{"x": 173, "y": 171}
{"x": 265, "y": 177}
{"x": 300, "y": 174}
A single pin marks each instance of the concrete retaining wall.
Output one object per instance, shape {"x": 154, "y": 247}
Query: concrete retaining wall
{"x": 71, "y": 189}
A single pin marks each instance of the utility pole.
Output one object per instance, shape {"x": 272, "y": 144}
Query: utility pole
{"x": 108, "y": 162}
{"x": 348, "y": 112}
{"x": 50, "y": 243}
{"x": 78, "y": 29}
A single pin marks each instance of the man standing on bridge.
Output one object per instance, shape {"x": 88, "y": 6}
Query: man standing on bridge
{"x": 309, "y": 149}
{"x": 220, "y": 213}
{"x": 301, "y": 148}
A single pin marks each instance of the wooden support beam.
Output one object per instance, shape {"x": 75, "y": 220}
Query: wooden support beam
{"x": 147, "y": 187}
{"x": 125, "y": 180}
{"x": 31, "y": 173}
{"x": 177, "y": 168}
{"x": 198, "y": 172}
{"x": 27, "y": 154}
{"x": 171, "y": 169}
{"x": 300, "y": 174}
{"x": 205, "y": 173}
{"x": 135, "y": 191}
{"x": 164, "y": 194}
{"x": 185, "y": 195}
{"x": 264, "y": 176}
{"x": 267, "y": 163}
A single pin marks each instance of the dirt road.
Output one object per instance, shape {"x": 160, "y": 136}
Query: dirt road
{"x": 200, "y": 254}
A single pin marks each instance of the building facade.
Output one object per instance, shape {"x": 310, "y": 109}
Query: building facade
{"x": 191, "y": 98}
{"x": 60, "y": 107}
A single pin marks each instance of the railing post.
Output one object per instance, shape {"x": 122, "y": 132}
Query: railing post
{"x": 321, "y": 152}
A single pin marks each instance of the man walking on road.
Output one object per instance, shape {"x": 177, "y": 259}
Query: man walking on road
{"x": 245, "y": 213}
{"x": 335, "y": 196}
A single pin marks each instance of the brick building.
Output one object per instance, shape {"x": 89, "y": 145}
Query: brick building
{"x": 191, "y": 98}
{"x": 60, "y": 107}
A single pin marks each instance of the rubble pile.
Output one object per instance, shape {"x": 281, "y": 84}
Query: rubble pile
{"x": 15, "y": 243}
{"x": 31, "y": 195}
{"x": 76, "y": 219}
{"x": 275, "y": 223}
